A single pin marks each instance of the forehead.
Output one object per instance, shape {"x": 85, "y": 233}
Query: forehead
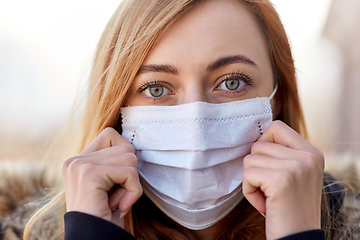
{"x": 212, "y": 29}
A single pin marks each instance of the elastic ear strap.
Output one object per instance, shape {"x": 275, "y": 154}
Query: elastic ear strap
{"x": 273, "y": 93}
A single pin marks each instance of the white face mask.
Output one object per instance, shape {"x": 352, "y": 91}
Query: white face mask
{"x": 190, "y": 156}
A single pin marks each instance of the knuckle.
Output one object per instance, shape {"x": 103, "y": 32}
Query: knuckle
{"x": 287, "y": 176}
{"x": 247, "y": 161}
{"x": 85, "y": 170}
{"x": 247, "y": 173}
{"x": 66, "y": 165}
{"x": 257, "y": 145}
{"x": 296, "y": 165}
{"x": 254, "y": 146}
{"x": 108, "y": 130}
{"x": 131, "y": 159}
{"x": 277, "y": 124}
{"x": 139, "y": 190}
{"x": 123, "y": 148}
{"x": 133, "y": 175}
{"x": 310, "y": 160}
{"x": 320, "y": 157}
{"x": 284, "y": 179}
{"x": 108, "y": 133}
{"x": 128, "y": 147}
{"x": 297, "y": 169}
{"x": 133, "y": 172}
{"x": 77, "y": 167}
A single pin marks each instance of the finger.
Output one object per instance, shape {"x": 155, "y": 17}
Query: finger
{"x": 127, "y": 178}
{"x": 107, "y": 138}
{"x": 102, "y": 178}
{"x": 115, "y": 197}
{"x": 125, "y": 147}
{"x": 123, "y": 214}
{"x": 274, "y": 150}
{"x": 123, "y": 159}
{"x": 257, "y": 199}
{"x": 251, "y": 189}
{"x": 269, "y": 162}
{"x": 260, "y": 184}
{"x": 279, "y": 132}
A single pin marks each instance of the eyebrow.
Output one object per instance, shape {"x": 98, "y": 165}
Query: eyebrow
{"x": 165, "y": 68}
{"x": 219, "y": 63}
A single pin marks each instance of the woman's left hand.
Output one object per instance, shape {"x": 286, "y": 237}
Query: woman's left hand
{"x": 283, "y": 179}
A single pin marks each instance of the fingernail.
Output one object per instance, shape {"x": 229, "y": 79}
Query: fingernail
{"x": 122, "y": 214}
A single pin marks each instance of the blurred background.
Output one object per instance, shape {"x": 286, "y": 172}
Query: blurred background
{"x": 46, "y": 48}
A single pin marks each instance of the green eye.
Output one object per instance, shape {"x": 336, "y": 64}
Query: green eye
{"x": 156, "y": 91}
{"x": 232, "y": 84}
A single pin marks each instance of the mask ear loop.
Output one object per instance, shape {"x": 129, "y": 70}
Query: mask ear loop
{"x": 273, "y": 93}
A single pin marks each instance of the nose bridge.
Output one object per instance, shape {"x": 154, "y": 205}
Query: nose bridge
{"x": 194, "y": 91}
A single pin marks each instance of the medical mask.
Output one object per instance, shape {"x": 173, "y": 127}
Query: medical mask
{"x": 190, "y": 156}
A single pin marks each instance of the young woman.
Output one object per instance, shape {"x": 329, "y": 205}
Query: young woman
{"x": 180, "y": 106}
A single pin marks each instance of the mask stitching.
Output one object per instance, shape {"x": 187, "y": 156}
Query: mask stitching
{"x": 260, "y": 128}
{"x": 132, "y": 138}
{"x": 213, "y": 105}
{"x": 126, "y": 121}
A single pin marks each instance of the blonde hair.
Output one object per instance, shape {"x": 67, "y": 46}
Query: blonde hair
{"x": 127, "y": 39}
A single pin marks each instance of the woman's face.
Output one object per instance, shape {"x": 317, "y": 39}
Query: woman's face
{"x": 215, "y": 53}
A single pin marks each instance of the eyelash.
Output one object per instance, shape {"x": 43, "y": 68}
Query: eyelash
{"x": 144, "y": 86}
{"x": 147, "y": 84}
{"x": 238, "y": 76}
{"x": 235, "y": 75}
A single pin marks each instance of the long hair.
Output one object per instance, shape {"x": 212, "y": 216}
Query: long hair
{"x": 129, "y": 36}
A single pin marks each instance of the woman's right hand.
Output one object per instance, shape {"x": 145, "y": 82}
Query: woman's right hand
{"x": 108, "y": 163}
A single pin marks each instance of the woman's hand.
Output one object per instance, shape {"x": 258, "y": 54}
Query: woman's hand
{"x": 108, "y": 163}
{"x": 282, "y": 179}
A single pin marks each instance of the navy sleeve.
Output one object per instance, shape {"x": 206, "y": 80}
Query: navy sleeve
{"x": 317, "y": 234}
{"x": 81, "y": 226}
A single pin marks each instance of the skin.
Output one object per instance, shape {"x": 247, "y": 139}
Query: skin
{"x": 282, "y": 175}
{"x": 202, "y": 37}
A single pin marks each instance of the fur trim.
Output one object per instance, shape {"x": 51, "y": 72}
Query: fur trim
{"x": 23, "y": 186}
{"x": 346, "y": 168}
